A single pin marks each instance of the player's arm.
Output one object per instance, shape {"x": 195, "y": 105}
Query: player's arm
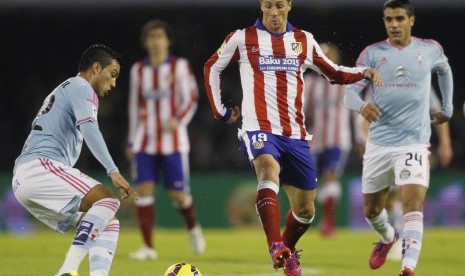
{"x": 353, "y": 99}
{"x": 337, "y": 74}
{"x": 227, "y": 53}
{"x": 444, "y": 151}
{"x": 95, "y": 142}
{"x": 446, "y": 85}
{"x": 189, "y": 93}
{"x": 133, "y": 107}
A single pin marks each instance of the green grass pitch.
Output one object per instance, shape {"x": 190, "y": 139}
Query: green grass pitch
{"x": 235, "y": 253}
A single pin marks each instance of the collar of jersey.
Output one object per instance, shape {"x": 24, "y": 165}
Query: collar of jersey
{"x": 259, "y": 25}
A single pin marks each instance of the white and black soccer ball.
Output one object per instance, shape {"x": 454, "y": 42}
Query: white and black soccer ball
{"x": 182, "y": 269}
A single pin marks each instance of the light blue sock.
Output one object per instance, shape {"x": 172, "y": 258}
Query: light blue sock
{"x": 102, "y": 251}
{"x": 412, "y": 239}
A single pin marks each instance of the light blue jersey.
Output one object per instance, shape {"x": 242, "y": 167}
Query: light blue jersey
{"x": 404, "y": 98}
{"x": 57, "y": 130}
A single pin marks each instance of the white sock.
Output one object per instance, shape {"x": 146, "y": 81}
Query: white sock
{"x": 91, "y": 225}
{"x": 382, "y": 226}
{"x": 412, "y": 239}
{"x": 102, "y": 251}
{"x": 331, "y": 189}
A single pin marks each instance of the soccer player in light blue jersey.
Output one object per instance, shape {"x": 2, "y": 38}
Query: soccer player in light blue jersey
{"x": 46, "y": 183}
{"x": 398, "y": 140}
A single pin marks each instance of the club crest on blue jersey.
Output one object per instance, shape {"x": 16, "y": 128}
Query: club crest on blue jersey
{"x": 258, "y": 145}
{"x": 272, "y": 63}
{"x": 419, "y": 58}
{"x": 296, "y": 47}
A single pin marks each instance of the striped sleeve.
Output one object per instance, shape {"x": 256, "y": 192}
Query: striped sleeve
{"x": 133, "y": 107}
{"x": 189, "y": 93}
{"x": 336, "y": 74}
{"x": 226, "y": 54}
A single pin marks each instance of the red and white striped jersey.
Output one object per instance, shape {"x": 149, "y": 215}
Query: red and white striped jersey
{"x": 328, "y": 116}
{"x": 156, "y": 96}
{"x": 271, "y": 69}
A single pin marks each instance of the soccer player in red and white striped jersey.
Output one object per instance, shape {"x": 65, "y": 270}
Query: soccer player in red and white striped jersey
{"x": 273, "y": 55}
{"x": 330, "y": 121}
{"x": 162, "y": 101}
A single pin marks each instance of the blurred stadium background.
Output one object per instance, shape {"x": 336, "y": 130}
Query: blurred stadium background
{"x": 41, "y": 41}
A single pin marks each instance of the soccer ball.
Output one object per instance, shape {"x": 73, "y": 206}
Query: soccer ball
{"x": 182, "y": 269}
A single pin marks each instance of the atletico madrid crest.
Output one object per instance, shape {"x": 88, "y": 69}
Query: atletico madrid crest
{"x": 296, "y": 47}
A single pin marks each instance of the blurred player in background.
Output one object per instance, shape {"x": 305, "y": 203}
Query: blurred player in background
{"x": 45, "y": 181}
{"x": 398, "y": 140}
{"x": 328, "y": 118}
{"x": 162, "y": 101}
{"x": 443, "y": 156}
{"x": 273, "y": 55}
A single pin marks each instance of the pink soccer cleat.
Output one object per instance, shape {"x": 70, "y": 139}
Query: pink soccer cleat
{"x": 292, "y": 265}
{"x": 379, "y": 254}
{"x": 406, "y": 272}
{"x": 279, "y": 254}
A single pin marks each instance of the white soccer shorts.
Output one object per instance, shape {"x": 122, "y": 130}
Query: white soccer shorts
{"x": 384, "y": 166}
{"x": 52, "y": 192}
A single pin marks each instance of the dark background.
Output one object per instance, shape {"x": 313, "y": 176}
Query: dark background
{"x": 40, "y": 48}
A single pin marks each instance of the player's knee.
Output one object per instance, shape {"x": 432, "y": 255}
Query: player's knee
{"x": 305, "y": 212}
{"x": 372, "y": 211}
{"x": 412, "y": 206}
{"x": 109, "y": 202}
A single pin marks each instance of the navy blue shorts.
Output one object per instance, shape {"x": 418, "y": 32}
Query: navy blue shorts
{"x": 297, "y": 167}
{"x": 332, "y": 159}
{"x": 174, "y": 168}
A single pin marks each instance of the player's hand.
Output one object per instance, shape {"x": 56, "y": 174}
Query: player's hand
{"x": 438, "y": 118}
{"x": 236, "y": 113}
{"x": 374, "y": 75}
{"x": 370, "y": 112}
{"x": 445, "y": 154}
{"x": 170, "y": 125}
{"x": 122, "y": 185}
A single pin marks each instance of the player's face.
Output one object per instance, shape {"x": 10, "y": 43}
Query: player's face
{"x": 398, "y": 25}
{"x": 157, "y": 42}
{"x": 275, "y": 14}
{"x": 105, "y": 80}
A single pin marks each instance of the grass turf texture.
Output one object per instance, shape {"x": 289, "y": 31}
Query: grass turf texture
{"x": 235, "y": 252}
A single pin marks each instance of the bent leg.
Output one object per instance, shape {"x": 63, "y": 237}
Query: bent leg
{"x": 376, "y": 215}
{"x": 100, "y": 207}
{"x": 301, "y": 215}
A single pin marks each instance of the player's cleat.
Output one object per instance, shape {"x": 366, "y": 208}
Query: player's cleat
{"x": 379, "y": 254}
{"x": 292, "y": 265}
{"x": 279, "y": 254}
{"x": 144, "y": 253}
{"x": 395, "y": 254}
{"x": 198, "y": 241}
{"x": 406, "y": 272}
{"x": 70, "y": 273}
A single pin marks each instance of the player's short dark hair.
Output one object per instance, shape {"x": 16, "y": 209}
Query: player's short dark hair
{"x": 403, "y": 4}
{"x": 155, "y": 24}
{"x": 98, "y": 53}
